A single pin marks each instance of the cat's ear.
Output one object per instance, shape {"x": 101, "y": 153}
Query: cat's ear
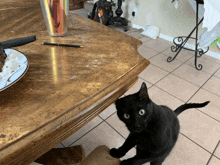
{"x": 143, "y": 92}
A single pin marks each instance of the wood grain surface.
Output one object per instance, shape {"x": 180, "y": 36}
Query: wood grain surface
{"x": 64, "y": 87}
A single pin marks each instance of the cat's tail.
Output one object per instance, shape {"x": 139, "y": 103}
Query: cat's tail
{"x": 190, "y": 105}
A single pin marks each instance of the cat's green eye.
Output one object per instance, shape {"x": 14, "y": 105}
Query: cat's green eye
{"x": 126, "y": 116}
{"x": 142, "y": 112}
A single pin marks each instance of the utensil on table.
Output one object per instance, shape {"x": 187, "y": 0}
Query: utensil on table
{"x": 17, "y": 42}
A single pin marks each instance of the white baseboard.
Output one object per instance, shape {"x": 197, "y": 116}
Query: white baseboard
{"x": 190, "y": 46}
{"x": 137, "y": 26}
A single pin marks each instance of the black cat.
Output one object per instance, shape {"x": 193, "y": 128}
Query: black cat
{"x": 153, "y": 128}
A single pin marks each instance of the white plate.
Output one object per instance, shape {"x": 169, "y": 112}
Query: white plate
{"x": 20, "y": 66}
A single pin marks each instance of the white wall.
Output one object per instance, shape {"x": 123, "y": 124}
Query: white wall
{"x": 172, "y": 22}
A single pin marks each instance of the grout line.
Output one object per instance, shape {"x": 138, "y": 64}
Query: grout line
{"x": 156, "y": 51}
{"x": 145, "y": 81}
{"x": 213, "y": 153}
{"x": 86, "y": 133}
{"x": 168, "y": 93}
{"x": 202, "y": 85}
{"x": 216, "y": 157}
{"x": 203, "y": 69}
{"x": 63, "y": 145}
{"x": 211, "y": 92}
{"x": 161, "y": 78}
{"x": 185, "y": 80}
{"x": 183, "y": 62}
{"x": 208, "y": 115}
{"x": 195, "y": 143}
{"x": 115, "y": 130}
{"x": 109, "y": 116}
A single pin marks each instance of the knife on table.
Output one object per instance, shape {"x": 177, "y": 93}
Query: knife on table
{"x": 17, "y": 42}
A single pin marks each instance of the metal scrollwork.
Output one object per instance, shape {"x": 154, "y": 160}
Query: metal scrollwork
{"x": 199, "y": 67}
{"x": 201, "y": 51}
{"x": 174, "y": 48}
{"x": 180, "y": 39}
{"x": 182, "y": 43}
{"x": 178, "y": 46}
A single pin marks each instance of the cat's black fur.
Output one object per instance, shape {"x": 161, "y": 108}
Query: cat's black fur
{"x": 153, "y": 128}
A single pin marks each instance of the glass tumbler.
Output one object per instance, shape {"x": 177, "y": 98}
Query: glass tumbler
{"x": 55, "y": 13}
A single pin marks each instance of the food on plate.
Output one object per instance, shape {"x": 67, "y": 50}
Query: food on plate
{"x": 2, "y": 58}
{"x": 12, "y": 63}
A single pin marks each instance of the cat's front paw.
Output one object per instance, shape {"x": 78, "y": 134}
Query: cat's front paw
{"x": 116, "y": 153}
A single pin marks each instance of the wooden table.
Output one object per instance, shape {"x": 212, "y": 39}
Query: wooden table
{"x": 64, "y": 88}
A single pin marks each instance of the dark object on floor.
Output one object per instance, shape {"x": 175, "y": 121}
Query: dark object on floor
{"x": 181, "y": 43}
{"x": 76, "y": 156}
{"x": 118, "y": 20}
{"x": 63, "y": 156}
{"x": 153, "y": 128}
{"x": 107, "y": 19}
{"x": 76, "y": 4}
{"x": 101, "y": 12}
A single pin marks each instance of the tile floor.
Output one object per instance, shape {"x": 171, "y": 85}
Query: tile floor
{"x": 170, "y": 84}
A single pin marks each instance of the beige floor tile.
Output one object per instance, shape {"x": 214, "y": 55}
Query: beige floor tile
{"x": 209, "y": 66}
{"x": 217, "y": 74}
{"x": 212, "y": 108}
{"x": 115, "y": 122}
{"x": 146, "y": 52}
{"x": 81, "y": 12}
{"x": 217, "y": 151}
{"x": 192, "y": 75}
{"x": 152, "y": 74}
{"x": 213, "y": 85}
{"x": 82, "y": 131}
{"x": 103, "y": 134}
{"x": 211, "y": 58}
{"x": 144, "y": 39}
{"x": 108, "y": 111}
{"x": 157, "y": 45}
{"x": 59, "y": 146}
{"x": 183, "y": 56}
{"x": 177, "y": 87}
{"x": 135, "y": 29}
{"x": 200, "y": 128}
{"x": 160, "y": 60}
{"x": 136, "y": 34}
{"x": 161, "y": 40}
{"x": 136, "y": 87}
{"x": 214, "y": 161}
{"x": 160, "y": 97}
{"x": 185, "y": 152}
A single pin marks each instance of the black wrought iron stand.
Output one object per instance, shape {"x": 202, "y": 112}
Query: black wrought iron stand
{"x": 180, "y": 45}
{"x": 118, "y": 20}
